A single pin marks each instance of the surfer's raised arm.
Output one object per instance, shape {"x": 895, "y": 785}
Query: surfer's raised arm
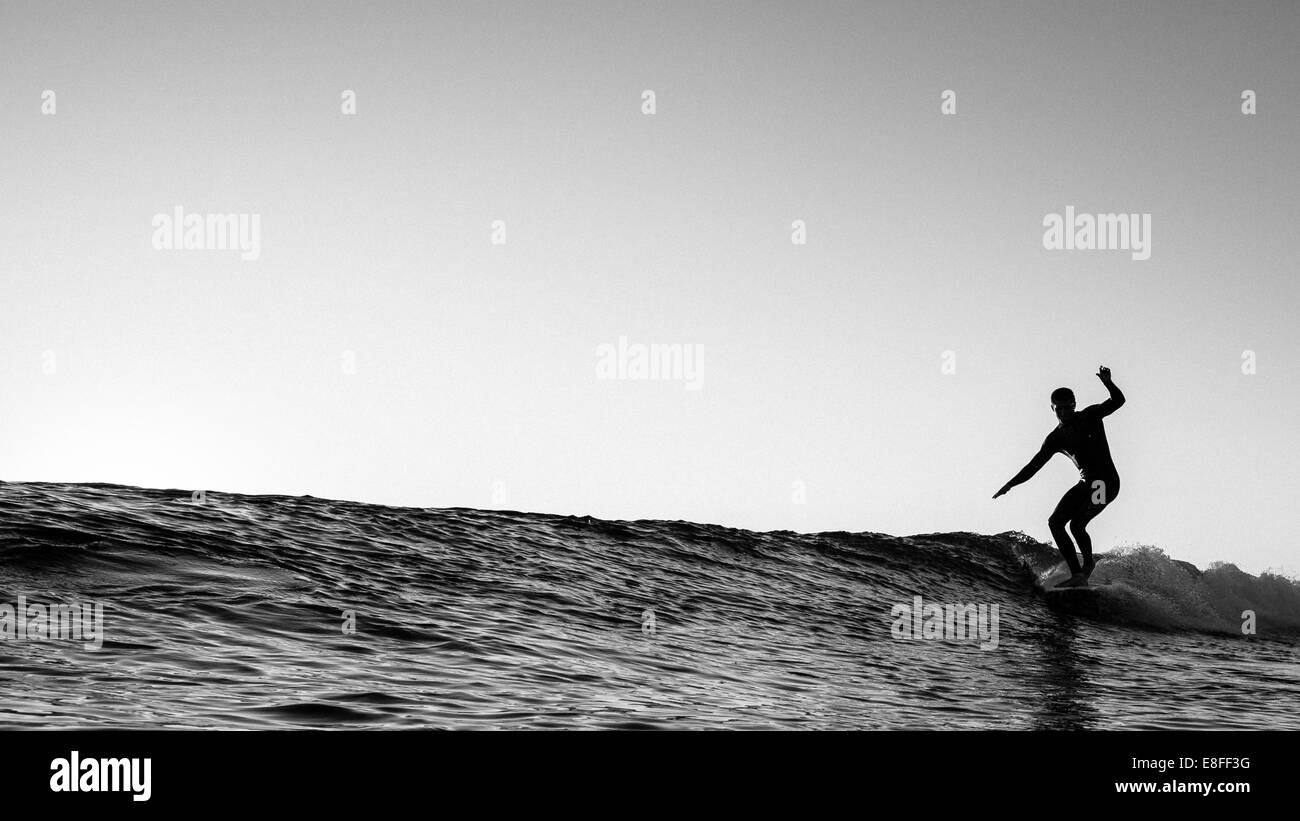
{"x": 1116, "y": 399}
{"x": 1027, "y": 472}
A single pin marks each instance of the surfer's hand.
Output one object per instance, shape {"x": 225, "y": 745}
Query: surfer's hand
{"x": 1103, "y": 373}
{"x": 1001, "y": 491}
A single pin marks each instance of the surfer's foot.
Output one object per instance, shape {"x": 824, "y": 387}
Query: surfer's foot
{"x": 1088, "y": 567}
{"x": 1076, "y": 580}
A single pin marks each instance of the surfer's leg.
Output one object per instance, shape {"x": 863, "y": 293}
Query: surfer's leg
{"x": 1078, "y": 529}
{"x": 1066, "y": 509}
{"x": 1095, "y": 503}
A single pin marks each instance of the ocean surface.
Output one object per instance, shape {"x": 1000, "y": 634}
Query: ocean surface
{"x": 249, "y": 612}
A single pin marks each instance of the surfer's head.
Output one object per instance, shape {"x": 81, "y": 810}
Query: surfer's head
{"x": 1063, "y": 403}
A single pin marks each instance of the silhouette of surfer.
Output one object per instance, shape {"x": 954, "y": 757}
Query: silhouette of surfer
{"x": 1081, "y": 436}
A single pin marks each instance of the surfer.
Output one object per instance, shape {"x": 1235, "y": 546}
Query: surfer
{"x": 1081, "y": 436}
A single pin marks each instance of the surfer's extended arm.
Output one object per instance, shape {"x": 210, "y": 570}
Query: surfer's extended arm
{"x": 1027, "y": 472}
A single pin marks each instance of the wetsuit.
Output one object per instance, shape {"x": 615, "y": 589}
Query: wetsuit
{"x": 1082, "y": 437}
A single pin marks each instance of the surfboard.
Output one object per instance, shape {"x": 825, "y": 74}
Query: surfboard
{"x": 1085, "y": 601}
{"x": 1055, "y": 590}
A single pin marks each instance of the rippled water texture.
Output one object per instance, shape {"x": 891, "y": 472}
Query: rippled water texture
{"x": 232, "y": 614}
